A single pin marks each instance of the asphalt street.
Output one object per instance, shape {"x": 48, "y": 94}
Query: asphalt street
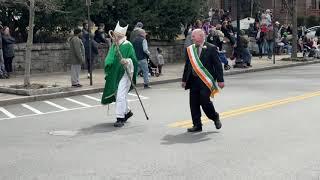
{"x": 270, "y": 131}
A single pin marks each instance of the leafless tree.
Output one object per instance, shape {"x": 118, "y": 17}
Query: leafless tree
{"x": 32, "y": 5}
{"x": 291, "y": 6}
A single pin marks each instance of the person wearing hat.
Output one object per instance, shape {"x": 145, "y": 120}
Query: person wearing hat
{"x": 117, "y": 83}
{"x": 135, "y": 31}
{"x": 140, "y": 45}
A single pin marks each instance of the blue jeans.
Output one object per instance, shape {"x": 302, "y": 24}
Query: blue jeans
{"x": 288, "y": 48}
{"x": 143, "y": 65}
{"x": 270, "y": 48}
{"x": 246, "y": 55}
{"x": 223, "y": 58}
{"x": 2, "y": 67}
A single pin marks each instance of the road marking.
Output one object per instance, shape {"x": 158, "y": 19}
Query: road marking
{"x": 9, "y": 114}
{"x": 63, "y": 133}
{"x": 142, "y": 97}
{"x": 78, "y": 102}
{"x": 32, "y": 109}
{"x": 93, "y": 98}
{"x": 244, "y": 110}
{"x": 56, "y": 105}
{"x": 83, "y": 106}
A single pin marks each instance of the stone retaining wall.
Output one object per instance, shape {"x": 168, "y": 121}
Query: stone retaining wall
{"x": 52, "y": 57}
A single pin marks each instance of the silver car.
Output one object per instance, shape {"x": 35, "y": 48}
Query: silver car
{"x": 311, "y": 32}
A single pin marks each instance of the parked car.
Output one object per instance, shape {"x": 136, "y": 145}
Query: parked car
{"x": 311, "y": 32}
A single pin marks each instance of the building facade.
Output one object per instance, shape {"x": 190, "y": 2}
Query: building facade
{"x": 279, "y": 8}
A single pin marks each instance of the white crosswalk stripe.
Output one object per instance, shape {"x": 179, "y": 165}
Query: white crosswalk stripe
{"x": 93, "y": 98}
{"x": 32, "y": 109}
{"x": 10, "y": 115}
{"x": 78, "y": 102}
{"x": 142, "y": 97}
{"x": 59, "y": 105}
{"x": 56, "y": 105}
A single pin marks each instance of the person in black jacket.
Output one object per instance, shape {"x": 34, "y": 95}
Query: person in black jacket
{"x": 100, "y": 35}
{"x": 3, "y": 72}
{"x": 216, "y": 38}
{"x": 199, "y": 91}
{"x": 8, "y": 49}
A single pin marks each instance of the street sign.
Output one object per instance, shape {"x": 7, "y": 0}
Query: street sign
{"x": 88, "y": 3}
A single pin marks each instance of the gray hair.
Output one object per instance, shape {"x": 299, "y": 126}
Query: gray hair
{"x": 140, "y": 31}
{"x": 200, "y": 32}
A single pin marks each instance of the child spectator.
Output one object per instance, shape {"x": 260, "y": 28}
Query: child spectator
{"x": 160, "y": 60}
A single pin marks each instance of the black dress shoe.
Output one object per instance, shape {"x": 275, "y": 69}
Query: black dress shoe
{"x": 127, "y": 116}
{"x": 146, "y": 86}
{"x": 195, "y": 129}
{"x": 217, "y": 122}
{"x": 119, "y": 122}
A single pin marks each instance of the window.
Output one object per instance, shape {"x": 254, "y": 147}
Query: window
{"x": 314, "y": 4}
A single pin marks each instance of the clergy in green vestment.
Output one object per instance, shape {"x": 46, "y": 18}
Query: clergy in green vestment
{"x": 117, "y": 82}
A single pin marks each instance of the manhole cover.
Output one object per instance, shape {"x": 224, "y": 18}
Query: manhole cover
{"x": 63, "y": 133}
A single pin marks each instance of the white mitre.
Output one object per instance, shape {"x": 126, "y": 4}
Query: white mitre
{"x": 122, "y": 31}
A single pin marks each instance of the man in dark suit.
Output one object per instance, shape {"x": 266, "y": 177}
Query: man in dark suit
{"x": 192, "y": 79}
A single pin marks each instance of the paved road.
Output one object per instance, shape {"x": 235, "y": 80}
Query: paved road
{"x": 270, "y": 131}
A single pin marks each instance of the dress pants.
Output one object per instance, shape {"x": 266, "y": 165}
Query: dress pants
{"x": 75, "y": 72}
{"x": 122, "y": 106}
{"x": 200, "y": 96}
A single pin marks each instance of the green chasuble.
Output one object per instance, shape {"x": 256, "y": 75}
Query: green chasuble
{"x": 114, "y": 70}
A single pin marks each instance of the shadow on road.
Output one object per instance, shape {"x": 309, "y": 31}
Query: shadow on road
{"x": 99, "y": 128}
{"x": 186, "y": 138}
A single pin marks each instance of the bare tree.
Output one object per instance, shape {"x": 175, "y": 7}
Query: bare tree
{"x": 292, "y": 9}
{"x": 32, "y": 5}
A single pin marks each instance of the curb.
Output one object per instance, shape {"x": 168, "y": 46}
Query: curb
{"x": 19, "y": 100}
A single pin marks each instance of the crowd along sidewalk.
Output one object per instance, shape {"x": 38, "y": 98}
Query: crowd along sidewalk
{"x": 171, "y": 73}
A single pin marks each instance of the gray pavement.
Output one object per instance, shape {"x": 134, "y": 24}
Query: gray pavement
{"x": 270, "y": 130}
{"x": 172, "y": 73}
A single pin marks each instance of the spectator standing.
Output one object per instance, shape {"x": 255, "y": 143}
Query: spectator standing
{"x": 135, "y": 31}
{"x": 140, "y": 45}
{"x": 8, "y": 49}
{"x": 100, "y": 35}
{"x": 3, "y": 72}
{"x": 243, "y": 49}
{"x": 270, "y": 41}
{"x": 216, "y": 38}
{"x": 77, "y": 57}
{"x": 94, "y": 51}
{"x": 160, "y": 60}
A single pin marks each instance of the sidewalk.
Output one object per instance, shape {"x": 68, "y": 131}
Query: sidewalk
{"x": 171, "y": 73}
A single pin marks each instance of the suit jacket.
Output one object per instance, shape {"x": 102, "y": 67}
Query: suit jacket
{"x": 210, "y": 60}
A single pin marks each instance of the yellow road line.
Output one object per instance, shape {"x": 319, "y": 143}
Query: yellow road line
{"x": 236, "y": 112}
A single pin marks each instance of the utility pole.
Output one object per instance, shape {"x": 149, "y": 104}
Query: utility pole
{"x": 251, "y": 8}
{"x": 294, "y": 29}
{"x": 274, "y": 32}
{"x": 88, "y": 4}
{"x": 238, "y": 62}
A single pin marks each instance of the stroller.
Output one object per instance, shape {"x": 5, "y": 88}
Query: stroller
{"x": 153, "y": 69}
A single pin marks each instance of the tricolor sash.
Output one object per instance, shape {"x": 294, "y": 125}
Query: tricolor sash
{"x": 201, "y": 71}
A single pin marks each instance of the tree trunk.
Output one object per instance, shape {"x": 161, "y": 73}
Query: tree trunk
{"x": 29, "y": 44}
{"x": 294, "y": 29}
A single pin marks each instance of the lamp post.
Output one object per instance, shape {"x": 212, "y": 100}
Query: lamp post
{"x": 88, "y": 4}
{"x": 274, "y": 33}
{"x": 238, "y": 62}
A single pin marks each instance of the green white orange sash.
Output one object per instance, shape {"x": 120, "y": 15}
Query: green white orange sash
{"x": 201, "y": 71}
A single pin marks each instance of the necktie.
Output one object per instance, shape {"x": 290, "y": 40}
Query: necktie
{"x": 199, "y": 51}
